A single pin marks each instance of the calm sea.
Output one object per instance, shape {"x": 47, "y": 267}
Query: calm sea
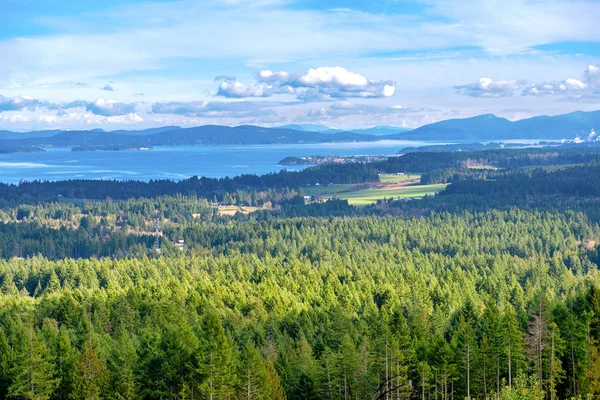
{"x": 176, "y": 162}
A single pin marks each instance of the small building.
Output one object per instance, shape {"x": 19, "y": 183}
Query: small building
{"x": 180, "y": 244}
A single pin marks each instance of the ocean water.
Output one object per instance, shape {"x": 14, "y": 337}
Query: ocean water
{"x": 177, "y": 162}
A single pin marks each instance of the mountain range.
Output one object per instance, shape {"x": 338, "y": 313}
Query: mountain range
{"x": 480, "y": 128}
{"x": 490, "y": 127}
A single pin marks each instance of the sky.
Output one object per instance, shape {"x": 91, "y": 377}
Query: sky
{"x": 130, "y": 64}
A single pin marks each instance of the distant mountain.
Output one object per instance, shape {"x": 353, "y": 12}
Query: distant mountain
{"x": 201, "y": 135}
{"x": 489, "y": 127}
{"x": 24, "y": 135}
{"x": 247, "y": 134}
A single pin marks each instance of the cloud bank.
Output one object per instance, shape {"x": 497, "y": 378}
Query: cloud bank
{"x": 488, "y": 88}
{"x": 106, "y": 108}
{"x": 18, "y": 103}
{"x": 588, "y": 87}
{"x": 316, "y": 84}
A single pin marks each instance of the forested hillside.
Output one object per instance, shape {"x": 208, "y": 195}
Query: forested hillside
{"x": 488, "y": 290}
{"x": 445, "y": 305}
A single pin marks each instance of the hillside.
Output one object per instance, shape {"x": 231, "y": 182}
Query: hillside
{"x": 489, "y": 127}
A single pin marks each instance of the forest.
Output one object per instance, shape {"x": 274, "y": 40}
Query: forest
{"x": 488, "y": 290}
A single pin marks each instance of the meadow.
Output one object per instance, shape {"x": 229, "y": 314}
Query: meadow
{"x": 389, "y": 186}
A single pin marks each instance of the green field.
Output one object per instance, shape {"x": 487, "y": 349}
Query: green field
{"x": 326, "y": 191}
{"x": 393, "y": 178}
{"x": 357, "y": 196}
{"x": 369, "y": 196}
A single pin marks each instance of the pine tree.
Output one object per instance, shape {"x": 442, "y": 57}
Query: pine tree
{"x": 90, "y": 375}
{"x": 34, "y": 375}
{"x": 5, "y": 364}
{"x": 121, "y": 364}
{"x": 216, "y": 363}
{"x": 465, "y": 345}
{"x": 8, "y": 286}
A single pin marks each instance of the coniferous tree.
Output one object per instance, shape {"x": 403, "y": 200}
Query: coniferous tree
{"x": 34, "y": 374}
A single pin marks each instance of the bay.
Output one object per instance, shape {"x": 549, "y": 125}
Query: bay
{"x": 178, "y": 162}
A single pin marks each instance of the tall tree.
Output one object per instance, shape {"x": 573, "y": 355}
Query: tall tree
{"x": 216, "y": 359}
{"x": 34, "y": 375}
{"x": 90, "y": 375}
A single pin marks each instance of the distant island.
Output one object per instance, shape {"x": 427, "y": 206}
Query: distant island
{"x": 109, "y": 148}
{"x": 317, "y": 160}
{"x": 17, "y": 149}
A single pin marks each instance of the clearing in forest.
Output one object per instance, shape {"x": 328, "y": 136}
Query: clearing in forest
{"x": 390, "y": 186}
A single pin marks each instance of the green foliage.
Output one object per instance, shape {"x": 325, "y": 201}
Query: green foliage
{"x": 525, "y": 388}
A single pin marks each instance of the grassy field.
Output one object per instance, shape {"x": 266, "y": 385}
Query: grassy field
{"x": 326, "y": 191}
{"x": 369, "y": 196}
{"x": 393, "y": 178}
{"x": 390, "y": 186}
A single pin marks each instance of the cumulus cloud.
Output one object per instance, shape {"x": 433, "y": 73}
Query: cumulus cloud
{"x": 488, "y": 88}
{"x": 239, "y": 90}
{"x": 574, "y": 88}
{"x": 316, "y": 84}
{"x": 19, "y": 103}
{"x": 107, "y": 88}
{"x": 268, "y": 76}
{"x": 217, "y": 109}
{"x": 106, "y": 108}
{"x": 110, "y": 108}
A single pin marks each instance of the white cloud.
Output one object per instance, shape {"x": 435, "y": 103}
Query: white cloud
{"x": 240, "y": 90}
{"x": 107, "y": 88}
{"x": 110, "y": 108}
{"x": 107, "y": 108}
{"x": 488, "y": 88}
{"x": 273, "y": 77}
{"x": 316, "y": 84}
{"x": 19, "y": 103}
{"x": 572, "y": 88}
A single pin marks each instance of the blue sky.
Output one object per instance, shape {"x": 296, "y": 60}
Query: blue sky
{"x": 68, "y": 64}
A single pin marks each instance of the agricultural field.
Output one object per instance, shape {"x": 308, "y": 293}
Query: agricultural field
{"x": 369, "y": 196}
{"x": 389, "y": 186}
{"x": 393, "y": 178}
{"x": 327, "y": 191}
